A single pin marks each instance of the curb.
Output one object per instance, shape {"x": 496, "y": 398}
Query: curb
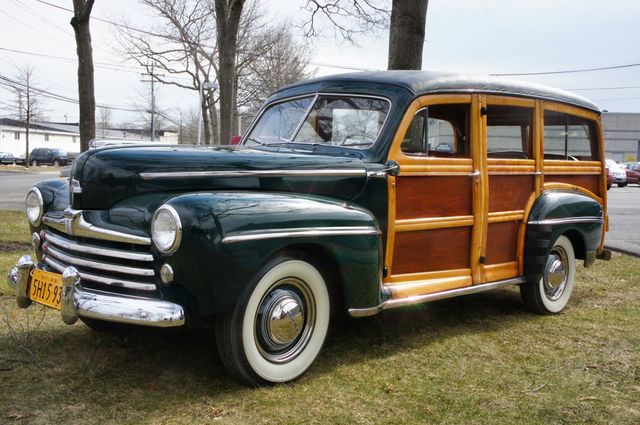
{"x": 623, "y": 251}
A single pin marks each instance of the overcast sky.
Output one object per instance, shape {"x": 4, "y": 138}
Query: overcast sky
{"x": 488, "y": 36}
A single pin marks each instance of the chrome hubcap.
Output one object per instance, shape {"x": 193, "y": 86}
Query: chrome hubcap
{"x": 555, "y": 274}
{"x": 284, "y": 320}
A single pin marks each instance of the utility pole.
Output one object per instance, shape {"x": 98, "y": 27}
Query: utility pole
{"x": 152, "y": 80}
{"x": 19, "y": 105}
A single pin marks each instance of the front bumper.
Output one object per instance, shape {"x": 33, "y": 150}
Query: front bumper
{"x": 78, "y": 302}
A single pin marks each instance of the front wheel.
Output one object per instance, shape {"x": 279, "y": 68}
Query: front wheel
{"x": 34, "y": 163}
{"x": 278, "y": 325}
{"x": 551, "y": 293}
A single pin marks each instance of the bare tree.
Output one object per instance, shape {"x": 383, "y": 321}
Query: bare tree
{"x": 179, "y": 51}
{"x": 28, "y": 103}
{"x": 104, "y": 122}
{"x": 406, "y": 20}
{"x": 283, "y": 62}
{"x": 86, "y": 96}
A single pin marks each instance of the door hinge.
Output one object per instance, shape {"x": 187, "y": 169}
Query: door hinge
{"x": 385, "y": 271}
{"x": 483, "y": 110}
{"x": 483, "y": 259}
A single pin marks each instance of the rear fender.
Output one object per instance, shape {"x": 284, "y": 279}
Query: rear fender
{"x": 562, "y": 212}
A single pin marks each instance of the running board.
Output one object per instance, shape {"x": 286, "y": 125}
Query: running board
{"x": 418, "y": 299}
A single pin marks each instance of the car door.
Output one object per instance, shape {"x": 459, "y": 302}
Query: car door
{"x": 437, "y": 204}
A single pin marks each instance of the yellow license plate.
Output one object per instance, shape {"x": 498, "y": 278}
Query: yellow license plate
{"x": 46, "y": 288}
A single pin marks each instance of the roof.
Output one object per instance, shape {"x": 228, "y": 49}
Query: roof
{"x": 425, "y": 82}
{"x": 9, "y": 122}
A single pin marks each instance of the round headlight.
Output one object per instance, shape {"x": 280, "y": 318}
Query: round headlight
{"x": 34, "y": 206}
{"x": 166, "y": 230}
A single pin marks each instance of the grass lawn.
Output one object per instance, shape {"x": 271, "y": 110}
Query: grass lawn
{"x": 479, "y": 359}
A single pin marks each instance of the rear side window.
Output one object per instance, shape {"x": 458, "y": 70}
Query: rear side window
{"x": 569, "y": 137}
{"x": 509, "y": 132}
{"x": 439, "y": 131}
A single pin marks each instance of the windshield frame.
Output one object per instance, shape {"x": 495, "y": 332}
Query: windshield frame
{"x": 315, "y": 96}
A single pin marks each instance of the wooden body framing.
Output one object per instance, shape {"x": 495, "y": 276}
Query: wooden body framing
{"x": 455, "y": 222}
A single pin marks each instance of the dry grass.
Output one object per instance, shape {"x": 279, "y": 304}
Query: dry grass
{"x": 480, "y": 359}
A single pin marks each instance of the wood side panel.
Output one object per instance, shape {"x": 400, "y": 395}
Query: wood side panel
{"x": 591, "y": 183}
{"x": 509, "y": 193}
{"x": 442, "y": 196}
{"x": 431, "y": 250}
{"x": 502, "y": 242}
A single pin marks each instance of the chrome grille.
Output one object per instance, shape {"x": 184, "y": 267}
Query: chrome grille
{"x": 103, "y": 265}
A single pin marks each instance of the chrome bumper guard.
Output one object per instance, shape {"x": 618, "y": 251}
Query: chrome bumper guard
{"x": 78, "y": 302}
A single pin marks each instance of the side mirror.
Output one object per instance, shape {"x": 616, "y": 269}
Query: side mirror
{"x": 235, "y": 140}
{"x": 392, "y": 168}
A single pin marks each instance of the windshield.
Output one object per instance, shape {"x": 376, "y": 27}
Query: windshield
{"x": 350, "y": 121}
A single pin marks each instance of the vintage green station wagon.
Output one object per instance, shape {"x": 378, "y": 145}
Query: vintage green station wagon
{"x": 359, "y": 193}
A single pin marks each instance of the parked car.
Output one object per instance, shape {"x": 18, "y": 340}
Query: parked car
{"x": 7, "y": 158}
{"x": 339, "y": 198}
{"x": 609, "y": 178}
{"x": 632, "y": 169}
{"x": 617, "y": 172}
{"x": 50, "y": 156}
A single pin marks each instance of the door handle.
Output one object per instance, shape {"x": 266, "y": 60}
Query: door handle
{"x": 476, "y": 173}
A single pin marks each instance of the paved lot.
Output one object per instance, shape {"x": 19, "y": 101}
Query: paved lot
{"x": 624, "y": 219}
{"x": 624, "y": 207}
{"x": 14, "y": 186}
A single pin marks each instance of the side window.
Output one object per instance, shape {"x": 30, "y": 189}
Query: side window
{"x": 569, "y": 137}
{"x": 509, "y": 132}
{"x": 439, "y": 131}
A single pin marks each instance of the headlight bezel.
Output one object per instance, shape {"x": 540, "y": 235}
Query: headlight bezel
{"x": 38, "y": 194}
{"x": 177, "y": 238}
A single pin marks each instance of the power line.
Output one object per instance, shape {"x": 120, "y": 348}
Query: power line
{"x": 13, "y": 84}
{"x": 606, "y": 88}
{"x": 603, "y": 68}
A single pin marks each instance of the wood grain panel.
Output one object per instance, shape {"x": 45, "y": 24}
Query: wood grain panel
{"x": 591, "y": 183}
{"x": 509, "y": 193}
{"x": 502, "y": 242}
{"x": 431, "y": 250}
{"x": 442, "y": 196}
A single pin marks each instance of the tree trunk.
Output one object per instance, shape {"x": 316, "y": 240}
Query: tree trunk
{"x": 228, "y": 14}
{"x": 86, "y": 97}
{"x": 206, "y": 136}
{"x": 406, "y": 33}
{"x": 213, "y": 116}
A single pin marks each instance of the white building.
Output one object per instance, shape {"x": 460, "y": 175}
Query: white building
{"x": 13, "y": 136}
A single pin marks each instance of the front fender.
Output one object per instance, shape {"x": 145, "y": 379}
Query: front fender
{"x": 228, "y": 236}
{"x": 562, "y": 212}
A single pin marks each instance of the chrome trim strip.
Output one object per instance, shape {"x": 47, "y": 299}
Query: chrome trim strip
{"x": 569, "y": 220}
{"x": 94, "y": 250}
{"x": 74, "y": 224}
{"x": 61, "y": 256}
{"x": 257, "y": 173}
{"x": 297, "y": 233}
{"x": 107, "y": 281}
{"x": 418, "y": 299}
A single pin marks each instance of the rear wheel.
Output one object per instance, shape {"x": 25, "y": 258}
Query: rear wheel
{"x": 278, "y": 325}
{"x": 551, "y": 293}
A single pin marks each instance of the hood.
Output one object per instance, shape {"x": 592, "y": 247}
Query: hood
{"x": 107, "y": 176}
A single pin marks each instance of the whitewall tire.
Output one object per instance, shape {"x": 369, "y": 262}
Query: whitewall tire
{"x": 551, "y": 293}
{"x": 278, "y": 326}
